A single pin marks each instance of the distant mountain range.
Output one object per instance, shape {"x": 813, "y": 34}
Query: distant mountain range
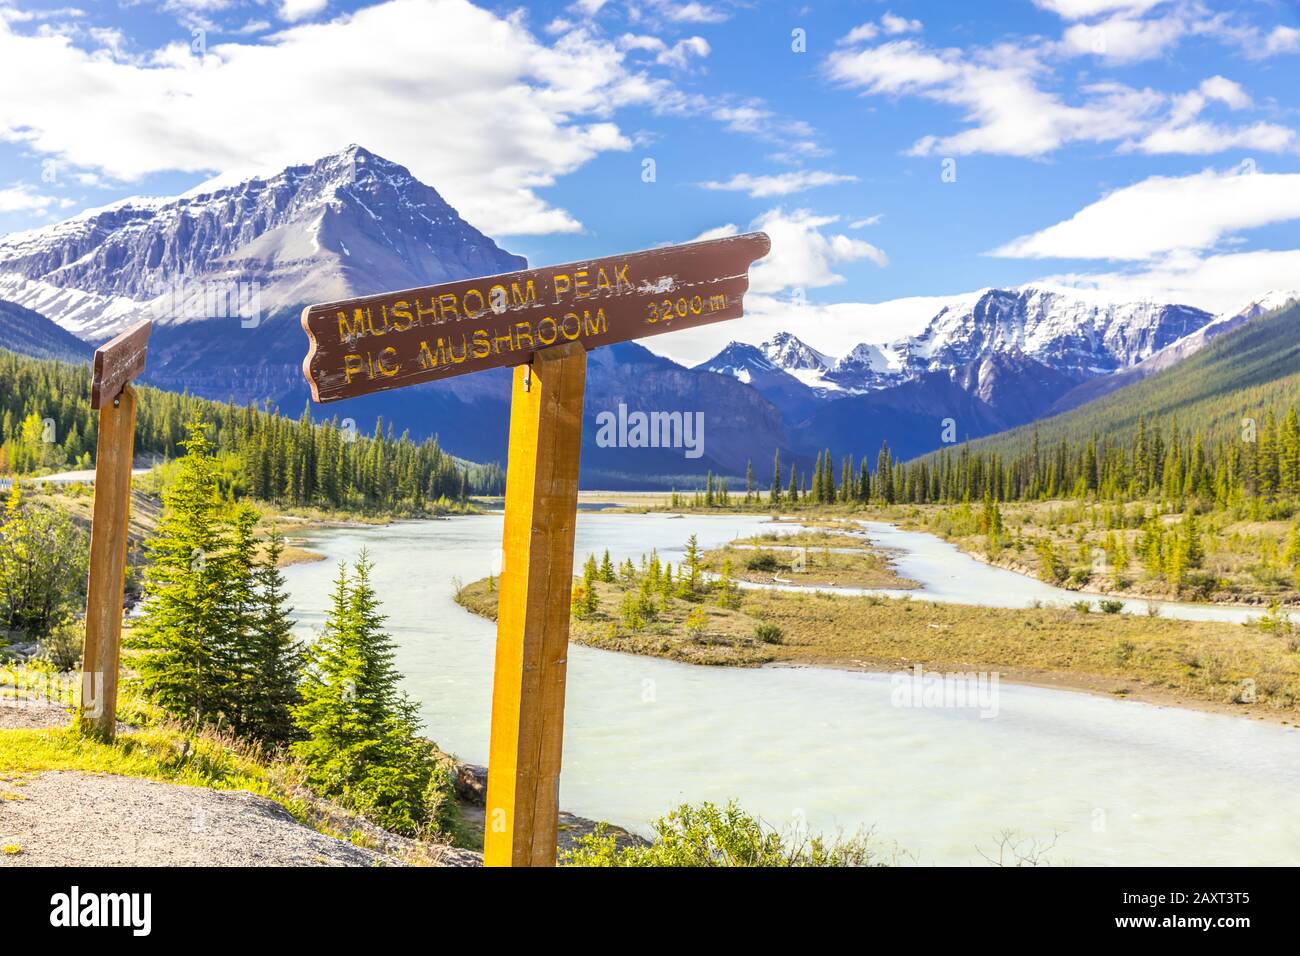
{"x": 1251, "y": 367}
{"x": 225, "y": 272}
{"x": 30, "y": 333}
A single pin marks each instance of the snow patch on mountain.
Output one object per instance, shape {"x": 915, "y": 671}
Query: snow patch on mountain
{"x": 1077, "y": 334}
{"x": 351, "y": 223}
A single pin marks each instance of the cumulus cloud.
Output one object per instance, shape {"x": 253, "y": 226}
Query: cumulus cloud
{"x": 889, "y": 24}
{"x": 1122, "y": 39}
{"x": 27, "y": 199}
{"x": 294, "y": 10}
{"x": 780, "y": 184}
{"x": 999, "y": 95}
{"x": 679, "y": 54}
{"x": 1282, "y": 39}
{"x": 1184, "y": 132}
{"x": 1218, "y": 283}
{"x": 691, "y": 12}
{"x": 1082, "y": 9}
{"x": 1165, "y": 215}
{"x": 489, "y": 132}
{"x": 804, "y": 256}
{"x": 1008, "y": 111}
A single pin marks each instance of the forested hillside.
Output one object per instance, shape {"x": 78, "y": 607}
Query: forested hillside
{"x": 31, "y": 333}
{"x": 1219, "y": 424}
{"x": 46, "y": 422}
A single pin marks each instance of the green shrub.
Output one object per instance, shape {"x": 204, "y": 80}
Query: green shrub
{"x": 769, "y": 633}
{"x": 709, "y": 835}
{"x": 1111, "y": 606}
{"x": 62, "y": 648}
{"x": 695, "y": 623}
{"x": 762, "y": 561}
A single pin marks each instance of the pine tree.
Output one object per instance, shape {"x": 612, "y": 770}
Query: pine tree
{"x": 186, "y": 625}
{"x": 775, "y": 494}
{"x": 273, "y": 658}
{"x": 688, "y": 578}
{"x": 360, "y": 730}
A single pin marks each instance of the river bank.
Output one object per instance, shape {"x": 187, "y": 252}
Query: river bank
{"x": 1211, "y": 666}
{"x": 1243, "y": 565}
{"x": 831, "y": 748}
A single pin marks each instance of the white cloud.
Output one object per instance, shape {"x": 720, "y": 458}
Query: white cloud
{"x": 1166, "y": 215}
{"x": 1208, "y": 138}
{"x": 635, "y": 41}
{"x": 718, "y": 232}
{"x": 27, "y": 199}
{"x": 1124, "y": 40}
{"x": 866, "y": 221}
{"x": 1009, "y": 113}
{"x": 489, "y": 132}
{"x": 1216, "y": 283}
{"x": 781, "y": 184}
{"x": 751, "y": 118}
{"x": 1225, "y": 91}
{"x": 894, "y": 24}
{"x": 889, "y": 23}
{"x": 802, "y": 255}
{"x": 294, "y": 10}
{"x": 1283, "y": 40}
{"x": 680, "y": 53}
{"x": 1183, "y": 132}
{"x": 861, "y": 33}
{"x": 691, "y": 12}
{"x": 999, "y": 96}
{"x": 1082, "y": 9}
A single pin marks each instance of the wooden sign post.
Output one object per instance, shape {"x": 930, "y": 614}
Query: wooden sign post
{"x": 116, "y": 365}
{"x": 543, "y": 321}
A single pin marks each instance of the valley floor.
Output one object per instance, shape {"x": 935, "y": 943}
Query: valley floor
{"x": 1245, "y": 670}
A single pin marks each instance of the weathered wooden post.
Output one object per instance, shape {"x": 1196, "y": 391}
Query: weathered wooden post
{"x": 543, "y": 321}
{"x": 116, "y": 364}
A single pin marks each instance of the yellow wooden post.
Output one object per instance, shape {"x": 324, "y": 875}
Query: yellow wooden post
{"x": 533, "y": 616}
{"x": 108, "y": 539}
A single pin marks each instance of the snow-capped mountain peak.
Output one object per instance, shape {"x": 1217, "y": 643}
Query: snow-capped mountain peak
{"x": 1268, "y": 302}
{"x": 350, "y": 223}
{"x": 1076, "y": 334}
{"x": 786, "y": 351}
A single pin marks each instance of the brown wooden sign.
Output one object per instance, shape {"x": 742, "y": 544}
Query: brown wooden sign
{"x": 545, "y": 321}
{"x": 118, "y": 362}
{"x": 378, "y": 342}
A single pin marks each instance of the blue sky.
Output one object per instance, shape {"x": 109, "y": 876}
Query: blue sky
{"x": 1138, "y": 147}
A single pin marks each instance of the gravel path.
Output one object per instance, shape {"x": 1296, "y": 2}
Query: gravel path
{"x": 65, "y": 818}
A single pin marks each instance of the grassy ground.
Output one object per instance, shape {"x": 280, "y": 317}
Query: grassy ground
{"x": 1248, "y": 670}
{"x": 812, "y": 558}
{"x": 1245, "y": 558}
{"x": 152, "y": 746}
{"x": 723, "y": 635}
